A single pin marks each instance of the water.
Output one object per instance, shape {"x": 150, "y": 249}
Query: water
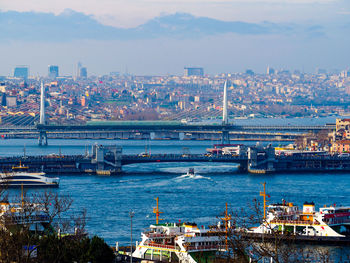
{"x": 201, "y": 199}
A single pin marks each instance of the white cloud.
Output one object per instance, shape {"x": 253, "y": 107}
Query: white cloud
{"x": 128, "y": 13}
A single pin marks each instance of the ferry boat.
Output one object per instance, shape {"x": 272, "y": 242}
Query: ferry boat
{"x": 20, "y": 176}
{"x": 331, "y": 224}
{"x": 181, "y": 242}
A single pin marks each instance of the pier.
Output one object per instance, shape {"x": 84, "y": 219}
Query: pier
{"x": 109, "y": 160}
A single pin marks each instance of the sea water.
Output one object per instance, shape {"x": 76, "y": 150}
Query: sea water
{"x": 200, "y": 199}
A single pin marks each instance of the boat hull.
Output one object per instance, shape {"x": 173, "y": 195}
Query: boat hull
{"x": 325, "y": 240}
{"x": 28, "y": 185}
{"x": 26, "y": 179}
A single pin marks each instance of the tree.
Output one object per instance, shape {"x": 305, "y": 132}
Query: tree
{"x": 40, "y": 228}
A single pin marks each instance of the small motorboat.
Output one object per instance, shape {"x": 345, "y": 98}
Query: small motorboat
{"x": 190, "y": 172}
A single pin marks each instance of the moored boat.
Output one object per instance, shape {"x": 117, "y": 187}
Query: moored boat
{"x": 180, "y": 242}
{"x": 331, "y": 224}
{"x": 19, "y": 176}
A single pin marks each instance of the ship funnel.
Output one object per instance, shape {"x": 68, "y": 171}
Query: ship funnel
{"x": 309, "y": 208}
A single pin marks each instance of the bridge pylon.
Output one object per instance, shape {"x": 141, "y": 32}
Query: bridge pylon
{"x": 225, "y": 133}
{"x": 42, "y": 134}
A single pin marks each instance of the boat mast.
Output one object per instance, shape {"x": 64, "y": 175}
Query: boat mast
{"x": 22, "y": 195}
{"x": 226, "y": 219}
{"x": 263, "y": 194}
{"x": 156, "y": 211}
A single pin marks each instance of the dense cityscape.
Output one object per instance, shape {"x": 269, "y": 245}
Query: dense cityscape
{"x": 191, "y": 97}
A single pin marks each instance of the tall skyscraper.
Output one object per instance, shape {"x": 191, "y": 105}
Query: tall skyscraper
{"x": 21, "y": 72}
{"x": 53, "y": 71}
{"x": 194, "y": 72}
{"x": 270, "y": 71}
{"x": 78, "y": 69}
{"x": 83, "y": 72}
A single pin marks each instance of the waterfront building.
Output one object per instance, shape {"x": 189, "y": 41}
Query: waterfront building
{"x": 194, "y": 72}
{"x": 342, "y": 124}
{"x": 341, "y": 146}
{"x": 21, "y": 72}
{"x": 342, "y": 131}
{"x": 53, "y": 71}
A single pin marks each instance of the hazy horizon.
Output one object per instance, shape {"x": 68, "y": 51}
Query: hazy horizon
{"x": 158, "y": 38}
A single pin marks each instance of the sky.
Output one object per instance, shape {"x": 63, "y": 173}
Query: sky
{"x": 305, "y": 34}
{"x": 126, "y": 13}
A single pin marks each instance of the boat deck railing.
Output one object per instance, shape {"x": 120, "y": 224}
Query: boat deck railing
{"x": 151, "y": 244}
{"x": 153, "y": 235}
{"x": 294, "y": 222}
{"x": 204, "y": 247}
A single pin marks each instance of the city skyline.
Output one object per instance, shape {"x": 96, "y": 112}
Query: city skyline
{"x": 197, "y": 71}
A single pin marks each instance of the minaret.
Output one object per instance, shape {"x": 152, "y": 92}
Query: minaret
{"x": 224, "y": 112}
{"x": 42, "y": 104}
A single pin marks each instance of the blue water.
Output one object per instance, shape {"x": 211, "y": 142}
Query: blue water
{"x": 109, "y": 200}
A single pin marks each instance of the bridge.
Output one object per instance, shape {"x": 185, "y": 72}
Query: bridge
{"x": 176, "y": 158}
{"x": 159, "y": 130}
{"x": 109, "y": 160}
{"x": 179, "y": 127}
{"x": 154, "y": 130}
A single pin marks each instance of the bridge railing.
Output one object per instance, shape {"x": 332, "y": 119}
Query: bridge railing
{"x": 183, "y": 157}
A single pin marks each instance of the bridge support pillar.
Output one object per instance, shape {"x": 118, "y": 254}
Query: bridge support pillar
{"x": 99, "y": 154}
{"x": 42, "y": 138}
{"x": 225, "y": 137}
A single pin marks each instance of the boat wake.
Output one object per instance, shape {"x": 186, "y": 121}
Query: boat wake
{"x": 180, "y": 168}
{"x": 191, "y": 176}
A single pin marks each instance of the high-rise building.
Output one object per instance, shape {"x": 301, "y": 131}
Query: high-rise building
{"x": 83, "y": 72}
{"x": 270, "y": 71}
{"x": 53, "y": 71}
{"x": 78, "y": 69}
{"x": 194, "y": 72}
{"x": 249, "y": 72}
{"x": 21, "y": 72}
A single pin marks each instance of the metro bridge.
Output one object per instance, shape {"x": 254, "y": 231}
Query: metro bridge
{"x": 161, "y": 129}
{"x": 163, "y": 126}
{"x": 176, "y": 130}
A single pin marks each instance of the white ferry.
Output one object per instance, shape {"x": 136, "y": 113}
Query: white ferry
{"x": 181, "y": 242}
{"x": 330, "y": 223}
{"x": 20, "y": 176}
